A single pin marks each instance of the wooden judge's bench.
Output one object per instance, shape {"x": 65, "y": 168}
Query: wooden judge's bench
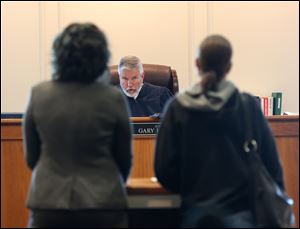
{"x": 149, "y": 204}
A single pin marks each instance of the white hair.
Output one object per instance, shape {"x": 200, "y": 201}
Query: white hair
{"x": 130, "y": 63}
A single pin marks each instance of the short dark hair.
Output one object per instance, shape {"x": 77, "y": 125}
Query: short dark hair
{"x": 80, "y": 53}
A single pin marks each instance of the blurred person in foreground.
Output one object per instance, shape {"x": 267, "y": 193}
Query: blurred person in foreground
{"x": 77, "y": 138}
{"x": 199, "y": 145}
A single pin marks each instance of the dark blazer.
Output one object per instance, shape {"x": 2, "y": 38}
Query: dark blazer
{"x": 77, "y": 141}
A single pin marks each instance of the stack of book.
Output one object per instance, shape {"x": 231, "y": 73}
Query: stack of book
{"x": 271, "y": 105}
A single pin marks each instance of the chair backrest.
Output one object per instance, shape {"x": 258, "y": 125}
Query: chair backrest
{"x": 160, "y": 75}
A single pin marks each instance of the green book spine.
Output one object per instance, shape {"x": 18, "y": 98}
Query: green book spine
{"x": 277, "y": 104}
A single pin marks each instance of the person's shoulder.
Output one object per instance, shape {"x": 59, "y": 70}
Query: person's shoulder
{"x": 113, "y": 88}
{"x": 248, "y": 97}
{"x": 178, "y": 98}
{"x": 172, "y": 106}
{"x": 152, "y": 87}
{"x": 43, "y": 85}
{"x": 109, "y": 90}
{"x": 173, "y": 103}
{"x": 116, "y": 92}
{"x": 251, "y": 102}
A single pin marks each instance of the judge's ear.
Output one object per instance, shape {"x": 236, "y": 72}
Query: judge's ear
{"x": 143, "y": 76}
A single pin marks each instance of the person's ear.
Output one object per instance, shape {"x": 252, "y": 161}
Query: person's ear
{"x": 228, "y": 67}
{"x": 143, "y": 76}
{"x": 198, "y": 64}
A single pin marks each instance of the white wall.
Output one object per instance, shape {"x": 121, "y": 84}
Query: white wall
{"x": 264, "y": 35}
{"x": 20, "y": 53}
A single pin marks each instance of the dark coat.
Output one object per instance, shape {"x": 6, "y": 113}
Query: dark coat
{"x": 77, "y": 140}
{"x": 150, "y": 100}
{"x": 198, "y": 153}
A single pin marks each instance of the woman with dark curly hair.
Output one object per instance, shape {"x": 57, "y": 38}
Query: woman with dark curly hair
{"x": 77, "y": 138}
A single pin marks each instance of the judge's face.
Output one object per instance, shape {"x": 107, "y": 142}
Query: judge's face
{"x": 131, "y": 80}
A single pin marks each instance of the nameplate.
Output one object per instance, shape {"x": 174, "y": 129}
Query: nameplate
{"x": 146, "y": 128}
{"x": 11, "y": 115}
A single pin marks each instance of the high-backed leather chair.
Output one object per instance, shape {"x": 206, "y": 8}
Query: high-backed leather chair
{"x": 160, "y": 75}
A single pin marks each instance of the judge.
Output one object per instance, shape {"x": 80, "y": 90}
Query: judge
{"x": 144, "y": 99}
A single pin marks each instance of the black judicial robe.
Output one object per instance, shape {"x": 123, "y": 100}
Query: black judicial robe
{"x": 150, "y": 100}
